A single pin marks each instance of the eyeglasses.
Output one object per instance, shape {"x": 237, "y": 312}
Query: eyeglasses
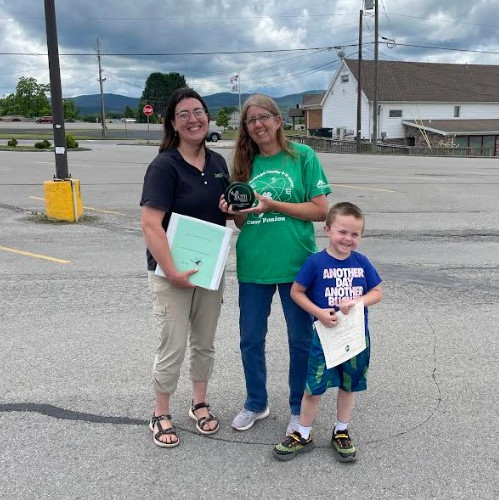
{"x": 263, "y": 118}
{"x": 185, "y": 115}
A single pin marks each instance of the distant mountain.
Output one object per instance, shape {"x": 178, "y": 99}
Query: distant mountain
{"x": 90, "y": 104}
{"x": 226, "y": 99}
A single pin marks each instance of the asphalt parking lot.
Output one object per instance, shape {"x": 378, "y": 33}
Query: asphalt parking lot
{"x": 77, "y": 343}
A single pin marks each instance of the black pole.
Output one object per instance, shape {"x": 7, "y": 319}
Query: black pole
{"x": 359, "y": 85}
{"x": 61, "y": 158}
{"x": 375, "y": 103}
{"x": 101, "y": 81}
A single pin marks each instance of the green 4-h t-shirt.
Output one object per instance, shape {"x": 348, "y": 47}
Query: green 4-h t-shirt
{"x": 272, "y": 247}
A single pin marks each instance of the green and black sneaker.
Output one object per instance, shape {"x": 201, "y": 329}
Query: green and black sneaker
{"x": 343, "y": 446}
{"x": 293, "y": 445}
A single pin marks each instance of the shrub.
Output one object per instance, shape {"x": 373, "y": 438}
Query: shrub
{"x": 12, "y": 143}
{"x": 71, "y": 142}
{"x": 43, "y": 144}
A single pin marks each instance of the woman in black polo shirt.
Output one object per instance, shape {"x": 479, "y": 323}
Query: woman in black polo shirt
{"x": 186, "y": 178}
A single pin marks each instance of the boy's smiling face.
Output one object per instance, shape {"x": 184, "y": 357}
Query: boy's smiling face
{"x": 344, "y": 235}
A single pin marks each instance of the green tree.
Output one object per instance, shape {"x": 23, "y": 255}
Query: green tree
{"x": 129, "y": 112}
{"x": 229, "y": 109}
{"x": 157, "y": 92}
{"x": 7, "y": 105}
{"x": 71, "y": 110}
{"x": 222, "y": 119}
{"x": 31, "y": 98}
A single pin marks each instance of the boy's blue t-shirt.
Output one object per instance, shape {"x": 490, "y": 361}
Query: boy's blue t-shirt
{"x": 328, "y": 280}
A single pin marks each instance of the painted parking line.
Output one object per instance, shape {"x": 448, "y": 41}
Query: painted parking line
{"x": 87, "y": 208}
{"x": 364, "y": 188}
{"x": 34, "y": 255}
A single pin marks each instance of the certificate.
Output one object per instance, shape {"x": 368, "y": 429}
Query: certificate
{"x": 201, "y": 245}
{"x": 346, "y": 339}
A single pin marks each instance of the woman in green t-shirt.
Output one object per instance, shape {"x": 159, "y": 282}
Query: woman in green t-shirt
{"x": 277, "y": 235}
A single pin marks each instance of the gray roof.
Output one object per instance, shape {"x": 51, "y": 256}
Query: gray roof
{"x": 295, "y": 112}
{"x": 429, "y": 82}
{"x": 312, "y": 100}
{"x": 457, "y": 126}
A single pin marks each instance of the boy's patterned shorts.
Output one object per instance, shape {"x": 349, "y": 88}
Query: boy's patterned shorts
{"x": 351, "y": 376}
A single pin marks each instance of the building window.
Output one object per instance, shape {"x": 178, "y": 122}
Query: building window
{"x": 395, "y": 113}
{"x": 344, "y": 78}
{"x": 457, "y": 111}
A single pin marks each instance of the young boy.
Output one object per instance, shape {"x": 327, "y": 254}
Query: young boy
{"x": 333, "y": 279}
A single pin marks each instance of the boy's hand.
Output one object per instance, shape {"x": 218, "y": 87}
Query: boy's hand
{"x": 328, "y": 317}
{"x": 346, "y": 305}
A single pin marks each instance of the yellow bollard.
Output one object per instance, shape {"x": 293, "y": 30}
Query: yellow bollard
{"x": 63, "y": 200}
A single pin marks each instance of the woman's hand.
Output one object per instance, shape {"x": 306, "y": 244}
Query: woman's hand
{"x": 238, "y": 216}
{"x": 313, "y": 210}
{"x": 226, "y": 208}
{"x": 181, "y": 279}
{"x": 264, "y": 205}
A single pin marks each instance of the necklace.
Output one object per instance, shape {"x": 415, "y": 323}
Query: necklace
{"x": 197, "y": 160}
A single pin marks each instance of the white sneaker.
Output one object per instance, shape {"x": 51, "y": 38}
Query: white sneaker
{"x": 294, "y": 424}
{"x": 246, "y": 418}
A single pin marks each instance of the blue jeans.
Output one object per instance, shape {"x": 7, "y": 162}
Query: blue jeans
{"x": 254, "y": 309}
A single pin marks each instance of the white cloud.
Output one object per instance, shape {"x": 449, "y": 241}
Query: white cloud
{"x": 238, "y": 26}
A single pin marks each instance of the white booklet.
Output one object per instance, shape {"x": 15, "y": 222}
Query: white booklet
{"x": 346, "y": 339}
{"x": 201, "y": 245}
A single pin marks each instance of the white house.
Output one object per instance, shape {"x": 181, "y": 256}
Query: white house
{"x": 418, "y": 103}
{"x": 234, "y": 119}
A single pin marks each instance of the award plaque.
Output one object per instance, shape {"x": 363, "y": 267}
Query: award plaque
{"x": 239, "y": 195}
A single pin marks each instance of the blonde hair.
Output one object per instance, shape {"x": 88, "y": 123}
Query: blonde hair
{"x": 345, "y": 208}
{"x": 246, "y": 148}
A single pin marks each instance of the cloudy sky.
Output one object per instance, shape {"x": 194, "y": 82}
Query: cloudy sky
{"x": 276, "y": 46}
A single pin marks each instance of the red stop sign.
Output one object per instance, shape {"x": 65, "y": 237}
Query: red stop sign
{"x": 147, "y": 109}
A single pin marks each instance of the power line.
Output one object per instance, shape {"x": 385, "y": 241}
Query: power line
{"x": 152, "y": 54}
{"x": 238, "y": 52}
{"x": 455, "y": 49}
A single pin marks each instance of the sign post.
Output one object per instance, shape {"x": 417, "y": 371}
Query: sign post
{"x": 148, "y": 111}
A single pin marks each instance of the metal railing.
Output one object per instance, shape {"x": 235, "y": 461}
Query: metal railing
{"x": 326, "y": 145}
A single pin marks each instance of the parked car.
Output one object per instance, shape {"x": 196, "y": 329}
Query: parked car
{"x": 214, "y": 133}
{"x": 321, "y": 132}
{"x": 44, "y": 119}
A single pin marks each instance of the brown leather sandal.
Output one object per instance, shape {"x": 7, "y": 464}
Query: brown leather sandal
{"x": 163, "y": 431}
{"x": 201, "y": 422}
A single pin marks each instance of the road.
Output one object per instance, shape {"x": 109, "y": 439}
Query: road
{"x": 114, "y": 130}
{"x": 78, "y": 342}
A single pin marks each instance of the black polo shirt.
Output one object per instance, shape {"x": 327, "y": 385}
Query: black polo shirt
{"x": 173, "y": 185}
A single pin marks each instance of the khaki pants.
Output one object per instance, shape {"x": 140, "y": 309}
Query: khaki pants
{"x": 182, "y": 314}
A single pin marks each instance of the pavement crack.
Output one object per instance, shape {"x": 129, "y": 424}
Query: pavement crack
{"x": 65, "y": 414}
{"x": 438, "y": 397}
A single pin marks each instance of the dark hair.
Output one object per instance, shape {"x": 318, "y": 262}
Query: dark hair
{"x": 170, "y": 137}
{"x": 246, "y": 148}
{"x": 344, "y": 208}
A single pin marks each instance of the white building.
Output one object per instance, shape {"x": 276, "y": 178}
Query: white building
{"x": 418, "y": 103}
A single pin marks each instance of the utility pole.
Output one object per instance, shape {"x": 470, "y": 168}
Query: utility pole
{"x": 239, "y": 92}
{"x": 101, "y": 81}
{"x": 359, "y": 85}
{"x": 375, "y": 103}
{"x": 61, "y": 157}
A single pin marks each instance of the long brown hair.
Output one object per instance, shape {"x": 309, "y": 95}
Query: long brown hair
{"x": 170, "y": 137}
{"x": 246, "y": 148}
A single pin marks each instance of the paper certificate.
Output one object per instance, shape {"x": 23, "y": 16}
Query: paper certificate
{"x": 346, "y": 339}
{"x": 201, "y": 245}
